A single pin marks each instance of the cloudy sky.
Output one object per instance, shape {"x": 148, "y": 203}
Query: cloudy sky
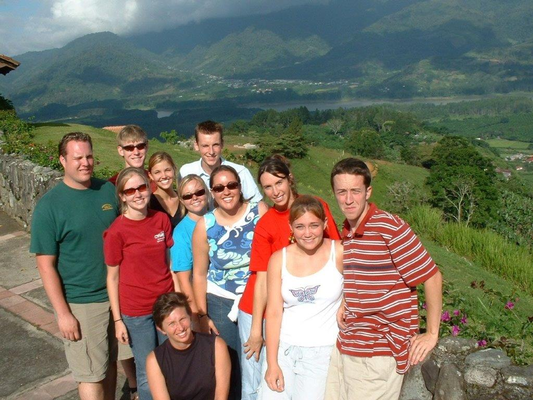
{"x": 28, "y": 25}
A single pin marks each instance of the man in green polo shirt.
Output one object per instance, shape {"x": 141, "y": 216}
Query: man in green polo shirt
{"x": 67, "y": 227}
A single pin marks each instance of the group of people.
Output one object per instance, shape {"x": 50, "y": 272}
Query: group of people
{"x": 204, "y": 292}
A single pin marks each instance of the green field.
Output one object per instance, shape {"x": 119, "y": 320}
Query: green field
{"x": 508, "y": 144}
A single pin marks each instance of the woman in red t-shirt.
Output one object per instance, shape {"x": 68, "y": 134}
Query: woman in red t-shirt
{"x": 271, "y": 234}
{"x": 136, "y": 253}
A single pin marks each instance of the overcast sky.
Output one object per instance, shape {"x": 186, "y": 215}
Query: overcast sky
{"x": 27, "y": 25}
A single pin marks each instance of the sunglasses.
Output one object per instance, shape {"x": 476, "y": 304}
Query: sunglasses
{"x": 131, "y": 191}
{"x": 189, "y": 196}
{"x": 131, "y": 147}
{"x": 231, "y": 186}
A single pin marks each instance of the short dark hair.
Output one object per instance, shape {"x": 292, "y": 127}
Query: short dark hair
{"x": 73, "y": 136}
{"x": 166, "y": 303}
{"x": 352, "y": 166}
{"x": 279, "y": 166}
{"x": 209, "y": 128}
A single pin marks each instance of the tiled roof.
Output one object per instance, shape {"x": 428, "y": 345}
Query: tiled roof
{"x": 7, "y": 64}
{"x": 115, "y": 129}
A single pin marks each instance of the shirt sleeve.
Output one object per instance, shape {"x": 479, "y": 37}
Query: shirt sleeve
{"x": 44, "y": 235}
{"x": 181, "y": 252}
{"x": 250, "y": 190}
{"x": 113, "y": 246}
{"x": 411, "y": 259}
{"x": 261, "y": 248}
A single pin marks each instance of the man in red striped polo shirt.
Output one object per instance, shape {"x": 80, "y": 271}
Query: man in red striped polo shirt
{"x": 384, "y": 261}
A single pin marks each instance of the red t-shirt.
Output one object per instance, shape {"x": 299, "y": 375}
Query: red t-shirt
{"x": 271, "y": 234}
{"x": 139, "y": 248}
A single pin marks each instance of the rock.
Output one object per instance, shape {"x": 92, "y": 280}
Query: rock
{"x": 518, "y": 376}
{"x": 450, "y": 385}
{"x": 481, "y": 375}
{"x": 497, "y": 359}
{"x": 414, "y": 387}
{"x": 430, "y": 372}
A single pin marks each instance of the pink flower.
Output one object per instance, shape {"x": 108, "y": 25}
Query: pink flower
{"x": 509, "y": 305}
{"x": 455, "y": 330}
{"x": 464, "y": 321}
{"x": 482, "y": 343}
{"x": 445, "y": 317}
{"x": 456, "y": 312}
{"x": 424, "y": 306}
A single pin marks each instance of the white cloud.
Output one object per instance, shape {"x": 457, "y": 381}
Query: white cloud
{"x": 60, "y": 21}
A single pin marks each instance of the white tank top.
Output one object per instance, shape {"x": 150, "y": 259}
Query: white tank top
{"x": 310, "y": 304}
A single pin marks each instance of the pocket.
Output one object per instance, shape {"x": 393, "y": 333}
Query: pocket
{"x": 78, "y": 357}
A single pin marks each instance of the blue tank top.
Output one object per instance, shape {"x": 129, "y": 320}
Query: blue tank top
{"x": 230, "y": 248}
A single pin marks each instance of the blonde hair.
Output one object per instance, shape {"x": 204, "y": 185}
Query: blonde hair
{"x": 186, "y": 180}
{"x": 123, "y": 177}
{"x": 160, "y": 156}
{"x": 131, "y": 133}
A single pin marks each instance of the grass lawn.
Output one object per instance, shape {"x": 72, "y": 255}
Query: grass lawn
{"x": 508, "y": 144}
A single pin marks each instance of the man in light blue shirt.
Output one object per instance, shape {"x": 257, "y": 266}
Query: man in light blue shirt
{"x": 209, "y": 142}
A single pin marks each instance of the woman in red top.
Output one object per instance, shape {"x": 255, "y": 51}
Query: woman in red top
{"x": 136, "y": 253}
{"x": 271, "y": 234}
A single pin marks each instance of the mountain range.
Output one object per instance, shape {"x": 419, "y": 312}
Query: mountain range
{"x": 345, "y": 48}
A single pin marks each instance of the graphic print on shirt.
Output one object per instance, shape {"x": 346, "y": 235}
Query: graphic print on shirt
{"x": 306, "y": 294}
{"x": 160, "y": 237}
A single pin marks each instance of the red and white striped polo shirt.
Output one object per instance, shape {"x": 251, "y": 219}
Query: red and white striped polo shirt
{"x": 384, "y": 261}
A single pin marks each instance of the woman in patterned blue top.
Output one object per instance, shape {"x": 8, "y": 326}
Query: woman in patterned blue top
{"x": 222, "y": 243}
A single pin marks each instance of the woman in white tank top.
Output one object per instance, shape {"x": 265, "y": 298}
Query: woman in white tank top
{"x": 304, "y": 294}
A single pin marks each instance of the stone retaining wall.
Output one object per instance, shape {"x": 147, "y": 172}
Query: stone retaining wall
{"x": 22, "y": 183}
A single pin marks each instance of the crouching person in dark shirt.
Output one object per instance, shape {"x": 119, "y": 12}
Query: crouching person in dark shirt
{"x": 189, "y": 365}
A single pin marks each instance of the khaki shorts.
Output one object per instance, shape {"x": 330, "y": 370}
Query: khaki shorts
{"x": 124, "y": 352}
{"x": 368, "y": 378}
{"x": 89, "y": 357}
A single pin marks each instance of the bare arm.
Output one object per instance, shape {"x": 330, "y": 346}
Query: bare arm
{"x": 156, "y": 380}
{"x": 184, "y": 280}
{"x": 200, "y": 252}
{"x": 274, "y": 312}
{"x": 253, "y": 345}
{"x": 422, "y": 344}
{"x": 68, "y": 324}
{"x": 222, "y": 369}
{"x": 121, "y": 332}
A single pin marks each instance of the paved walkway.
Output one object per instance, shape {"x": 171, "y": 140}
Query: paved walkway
{"x": 32, "y": 362}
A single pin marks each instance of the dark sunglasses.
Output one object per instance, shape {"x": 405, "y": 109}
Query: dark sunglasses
{"x": 189, "y": 196}
{"x": 131, "y": 147}
{"x": 131, "y": 191}
{"x": 231, "y": 186}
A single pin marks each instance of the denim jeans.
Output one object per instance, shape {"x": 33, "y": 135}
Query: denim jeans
{"x": 251, "y": 369}
{"x": 144, "y": 337}
{"x": 305, "y": 370}
{"x": 218, "y": 309}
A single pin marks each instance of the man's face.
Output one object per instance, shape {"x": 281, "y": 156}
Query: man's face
{"x": 352, "y": 196}
{"x": 210, "y": 147}
{"x": 78, "y": 164}
{"x": 133, "y": 152}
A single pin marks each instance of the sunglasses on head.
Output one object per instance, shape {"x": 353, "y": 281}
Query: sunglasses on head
{"x": 131, "y": 191}
{"x": 189, "y": 196}
{"x": 231, "y": 186}
{"x": 131, "y": 147}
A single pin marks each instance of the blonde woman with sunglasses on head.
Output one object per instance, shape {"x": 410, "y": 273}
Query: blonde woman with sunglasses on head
{"x": 222, "y": 243}
{"x": 194, "y": 198}
{"x": 136, "y": 253}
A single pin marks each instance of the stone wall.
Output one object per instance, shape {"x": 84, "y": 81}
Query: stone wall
{"x": 459, "y": 370}
{"x": 22, "y": 184}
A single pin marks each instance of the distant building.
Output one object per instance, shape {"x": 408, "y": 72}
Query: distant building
{"x": 115, "y": 129}
{"x": 505, "y": 172}
{"x": 7, "y": 64}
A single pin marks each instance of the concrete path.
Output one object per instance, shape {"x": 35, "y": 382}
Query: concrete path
{"x": 32, "y": 362}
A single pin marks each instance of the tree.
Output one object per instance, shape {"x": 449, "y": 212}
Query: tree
{"x": 335, "y": 125}
{"x": 461, "y": 177}
{"x": 172, "y": 137}
{"x": 5, "y": 104}
{"x": 366, "y": 143}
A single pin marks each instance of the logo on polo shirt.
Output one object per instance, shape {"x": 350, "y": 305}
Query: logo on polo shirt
{"x": 107, "y": 207}
{"x": 159, "y": 237}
